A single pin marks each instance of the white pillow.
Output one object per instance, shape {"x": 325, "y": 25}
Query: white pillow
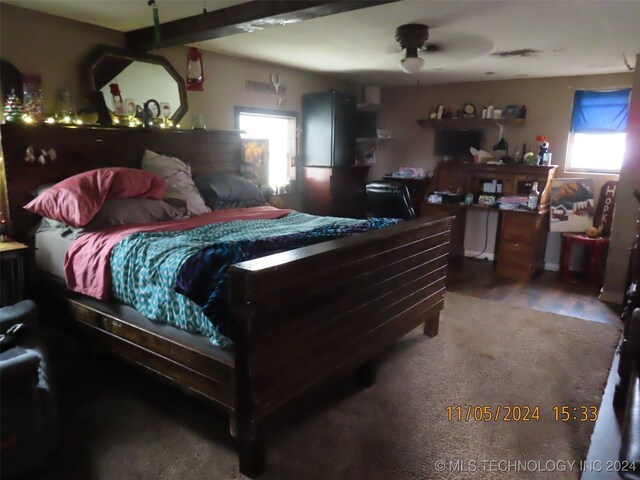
{"x": 181, "y": 192}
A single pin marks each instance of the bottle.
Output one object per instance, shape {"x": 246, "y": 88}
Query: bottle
{"x": 532, "y": 204}
{"x": 440, "y": 111}
{"x": 65, "y": 109}
{"x": 484, "y": 112}
{"x": 523, "y": 112}
{"x": 118, "y": 104}
{"x": 490, "y": 111}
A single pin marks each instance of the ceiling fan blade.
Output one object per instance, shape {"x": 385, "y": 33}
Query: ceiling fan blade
{"x": 431, "y": 48}
{"x": 394, "y": 49}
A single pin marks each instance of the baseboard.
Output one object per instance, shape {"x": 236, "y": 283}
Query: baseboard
{"x": 552, "y": 267}
{"x": 614, "y": 298}
{"x": 479, "y": 255}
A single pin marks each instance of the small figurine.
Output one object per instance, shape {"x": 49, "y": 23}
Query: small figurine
{"x": 544, "y": 156}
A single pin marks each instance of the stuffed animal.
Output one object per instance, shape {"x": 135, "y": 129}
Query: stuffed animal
{"x": 592, "y": 232}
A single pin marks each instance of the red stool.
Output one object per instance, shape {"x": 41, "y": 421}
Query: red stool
{"x": 594, "y": 247}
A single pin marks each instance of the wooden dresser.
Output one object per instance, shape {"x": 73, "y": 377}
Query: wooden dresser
{"x": 335, "y": 191}
{"x": 522, "y": 235}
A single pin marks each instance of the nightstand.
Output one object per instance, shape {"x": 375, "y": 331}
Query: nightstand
{"x": 12, "y": 272}
{"x": 286, "y": 200}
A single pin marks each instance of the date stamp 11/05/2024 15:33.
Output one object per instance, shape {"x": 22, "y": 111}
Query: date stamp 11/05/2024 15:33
{"x": 520, "y": 413}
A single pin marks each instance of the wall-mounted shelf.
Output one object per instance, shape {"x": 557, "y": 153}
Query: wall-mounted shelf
{"x": 467, "y": 122}
{"x": 369, "y": 107}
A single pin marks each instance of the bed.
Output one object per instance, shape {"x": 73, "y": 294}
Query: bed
{"x": 300, "y": 318}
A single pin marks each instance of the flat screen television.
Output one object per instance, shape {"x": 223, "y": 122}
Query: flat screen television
{"x": 456, "y": 142}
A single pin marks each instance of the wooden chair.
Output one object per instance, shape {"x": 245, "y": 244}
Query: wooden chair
{"x": 595, "y": 246}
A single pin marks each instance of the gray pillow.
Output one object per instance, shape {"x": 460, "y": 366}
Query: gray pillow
{"x": 123, "y": 211}
{"x": 223, "y": 190}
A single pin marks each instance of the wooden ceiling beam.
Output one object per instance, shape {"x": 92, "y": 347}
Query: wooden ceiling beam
{"x": 241, "y": 18}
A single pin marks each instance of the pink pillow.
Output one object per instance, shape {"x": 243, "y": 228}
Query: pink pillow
{"x": 76, "y": 200}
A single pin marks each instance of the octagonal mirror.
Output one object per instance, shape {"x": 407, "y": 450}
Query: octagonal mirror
{"x": 141, "y": 79}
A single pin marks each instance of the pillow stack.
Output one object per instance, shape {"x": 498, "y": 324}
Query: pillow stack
{"x": 223, "y": 191}
{"x": 102, "y": 198}
{"x": 181, "y": 192}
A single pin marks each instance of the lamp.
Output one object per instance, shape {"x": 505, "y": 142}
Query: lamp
{"x": 195, "y": 70}
{"x": 412, "y": 63}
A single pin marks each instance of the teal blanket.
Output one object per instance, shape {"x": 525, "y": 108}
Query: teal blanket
{"x": 145, "y": 266}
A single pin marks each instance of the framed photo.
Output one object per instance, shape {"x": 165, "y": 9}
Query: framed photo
{"x": 130, "y": 107}
{"x": 165, "y": 109}
{"x": 511, "y": 111}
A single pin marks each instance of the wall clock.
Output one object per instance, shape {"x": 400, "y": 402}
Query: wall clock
{"x": 469, "y": 110}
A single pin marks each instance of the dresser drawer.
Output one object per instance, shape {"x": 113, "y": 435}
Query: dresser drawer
{"x": 519, "y": 220}
{"x": 517, "y": 234}
{"x": 524, "y": 249}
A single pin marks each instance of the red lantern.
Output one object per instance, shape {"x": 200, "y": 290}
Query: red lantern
{"x": 195, "y": 70}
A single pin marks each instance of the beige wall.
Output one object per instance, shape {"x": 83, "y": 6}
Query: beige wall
{"x": 54, "y": 47}
{"x": 549, "y": 102}
{"x": 225, "y": 86}
{"x": 57, "y": 48}
{"x": 626, "y": 212}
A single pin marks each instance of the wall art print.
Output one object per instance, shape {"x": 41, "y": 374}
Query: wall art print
{"x": 572, "y": 204}
{"x": 256, "y": 160}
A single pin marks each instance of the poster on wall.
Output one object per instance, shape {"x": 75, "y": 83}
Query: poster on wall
{"x": 256, "y": 160}
{"x": 571, "y": 204}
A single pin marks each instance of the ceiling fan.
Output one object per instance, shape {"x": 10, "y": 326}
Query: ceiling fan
{"x": 413, "y": 38}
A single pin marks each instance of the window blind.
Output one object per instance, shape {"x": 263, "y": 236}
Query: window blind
{"x": 600, "y": 112}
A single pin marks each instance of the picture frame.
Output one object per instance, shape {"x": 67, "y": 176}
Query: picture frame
{"x": 130, "y": 106}
{"x": 571, "y": 204}
{"x": 511, "y": 111}
{"x": 255, "y": 166}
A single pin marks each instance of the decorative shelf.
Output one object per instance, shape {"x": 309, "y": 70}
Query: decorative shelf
{"x": 369, "y": 107}
{"x": 461, "y": 122}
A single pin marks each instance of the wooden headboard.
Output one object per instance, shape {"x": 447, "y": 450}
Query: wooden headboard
{"x": 79, "y": 149}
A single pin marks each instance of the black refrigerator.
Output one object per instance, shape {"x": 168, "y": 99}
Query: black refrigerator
{"x": 332, "y": 184}
{"x": 328, "y": 129}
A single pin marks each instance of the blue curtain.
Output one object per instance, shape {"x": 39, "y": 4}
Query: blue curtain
{"x": 600, "y": 112}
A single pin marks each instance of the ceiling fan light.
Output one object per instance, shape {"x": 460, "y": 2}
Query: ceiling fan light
{"x": 411, "y": 64}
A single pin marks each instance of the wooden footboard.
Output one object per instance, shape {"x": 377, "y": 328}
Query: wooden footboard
{"x": 309, "y": 315}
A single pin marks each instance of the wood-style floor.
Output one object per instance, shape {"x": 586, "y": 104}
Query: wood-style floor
{"x": 547, "y": 292}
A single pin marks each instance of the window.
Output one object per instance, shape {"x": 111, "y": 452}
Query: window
{"x": 279, "y": 128}
{"x": 598, "y": 131}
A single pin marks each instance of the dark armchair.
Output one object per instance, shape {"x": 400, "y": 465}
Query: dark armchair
{"x": 28, "y": 425}
{"x": 388, "y": 199}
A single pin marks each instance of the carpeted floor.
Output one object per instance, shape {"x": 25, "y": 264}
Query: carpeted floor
{"x": 119, "y": 423}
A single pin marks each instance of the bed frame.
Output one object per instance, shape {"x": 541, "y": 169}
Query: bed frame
{"x": 301, "y": 318}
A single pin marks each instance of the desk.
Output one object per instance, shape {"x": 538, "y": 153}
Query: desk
{"x": 292, "y": 201}
{"x": 522, "y": 235}
{"x": 520, "y": 243}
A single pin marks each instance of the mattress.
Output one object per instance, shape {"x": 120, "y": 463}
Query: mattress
{"x": 51, "y": 246}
